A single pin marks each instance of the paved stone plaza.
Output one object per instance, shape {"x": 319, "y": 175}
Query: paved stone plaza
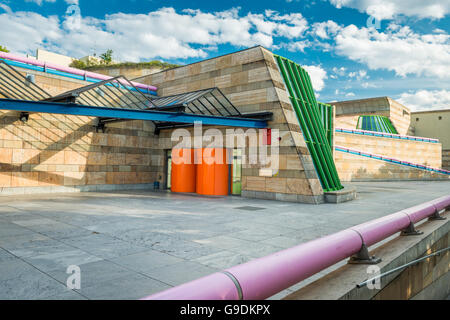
{"x": 132, "y": 244}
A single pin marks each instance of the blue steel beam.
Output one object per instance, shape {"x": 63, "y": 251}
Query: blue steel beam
{"x": 128, "y": 114}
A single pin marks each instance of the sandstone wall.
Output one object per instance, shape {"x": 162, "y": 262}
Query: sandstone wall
{"x": 52, "y": 151}
{"x": 251, "y": 81}
{"x": 354, "y": 168}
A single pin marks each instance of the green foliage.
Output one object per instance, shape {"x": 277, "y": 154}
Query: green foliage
{"x": 151, "y": 64}
{"x": 106, "y": 62}
{"x": 3, "y": 49}
{"x": 107, "y": 57}
{"x": 78, "y": 64}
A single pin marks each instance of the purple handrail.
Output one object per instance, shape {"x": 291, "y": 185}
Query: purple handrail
{"x": 386, "y": 135}
{"x": 262, "y": 278}
{"x": 86, "y": 74}
{"x": 384, "y": 158}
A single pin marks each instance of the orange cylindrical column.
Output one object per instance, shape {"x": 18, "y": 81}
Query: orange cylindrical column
{"x": 183, "y": 171}
{"x": 213, "y": 172}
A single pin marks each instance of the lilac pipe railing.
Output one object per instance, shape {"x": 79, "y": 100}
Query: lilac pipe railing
{"x": 262, "y": 278}
{"x": 393, "y": 160}
{"x": 88, "y": 74}
{"x": 387, "y": 135}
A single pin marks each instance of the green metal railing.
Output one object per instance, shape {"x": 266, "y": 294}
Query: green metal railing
{"x": 326, "y": 113}
{"x": 376, "y": 123}
{"x": 304, "y": 102}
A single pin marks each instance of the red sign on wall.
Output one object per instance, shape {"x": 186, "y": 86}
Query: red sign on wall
{"x": 267, "y": 137}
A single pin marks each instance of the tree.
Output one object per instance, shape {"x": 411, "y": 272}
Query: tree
{"x": 78, "y": 64}
{"x": 107, "y": 56}
{"x": 3, "y": 49}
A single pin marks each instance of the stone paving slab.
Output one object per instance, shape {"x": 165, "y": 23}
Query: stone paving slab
{"x": 126, "y": 288}
{"x": 135, "y": 243}
{"x": 33, "y": 285}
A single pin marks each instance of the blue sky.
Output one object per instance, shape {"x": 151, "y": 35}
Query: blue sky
{"x": 407, "y": 57}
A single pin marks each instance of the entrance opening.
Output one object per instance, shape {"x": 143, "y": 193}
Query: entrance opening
{"x": 236, "y": 188}
{"x": 168, "y": 169}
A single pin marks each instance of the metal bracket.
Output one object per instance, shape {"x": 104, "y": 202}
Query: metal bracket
{"x": 437, "y": 216}
{"x": 99, "y": 125}
{"x": 100, "y": 128}
{"x": 411, "y": 231}
{"x": 24, "y": 117}
{"x": 363, "y": 257}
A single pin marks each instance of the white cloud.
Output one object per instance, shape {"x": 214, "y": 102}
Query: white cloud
{"x": 39, "y": 2}
{"x": 318, "y": 76}
{"x": 325, "y": 29}
{"x": 25, "y": 31}
{"x": 163, "y": 33}
{"x": 367, "y": 85}
{"x": 387, "y": 9}
{"x": 398, "y": 49}
{"x": 360, "y": 75}
{"x": 426, "y": 100}
{"x": 340, "y": 71}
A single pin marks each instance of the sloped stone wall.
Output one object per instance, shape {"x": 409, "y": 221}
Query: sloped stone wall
{"x": 251, "y": 81}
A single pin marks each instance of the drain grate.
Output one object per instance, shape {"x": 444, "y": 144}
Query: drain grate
{"x": 250, "y": 208}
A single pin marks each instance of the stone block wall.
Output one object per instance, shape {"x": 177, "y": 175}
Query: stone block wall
{"x": 129, "y": 72}
{"x": 428, "y": 280}
{"x": 413, "y": 151}
{"x": 348, "y": 113}
{"x": 401, "y": 117}
{"x": 446, "y": 159}
{"x": 356, "y": 168}
{"x": 252, "y": 82}
{"x": 66, "y": 153}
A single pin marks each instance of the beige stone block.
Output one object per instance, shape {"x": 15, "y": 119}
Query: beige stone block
{"x": 124, "y": 168}
{"x": 116, "y": 159}
{"x": 130, "y": 178}
{"x": 316, "y": 186}
{"x": 240, "y": 78}
{"x": 26, "y": 133}
{"x": 25, "y": 156}
{"x": 25, "y": 179}
{"x": 96, "y": 158}
{"x": 66, "y": 168}
{"x": 75, "y": 158}
{"x": 194, "y": 69}
{"x": 52, "y": 157}
{"x": 12, "y": 144}
{"x": 93, "y": 178}
{"x": 259, "y": 74}
{"x": 208, "y": 65}
{"x": 255, "y": 183}
{"x": 100, "y": 139}
{"x": 6, "y": 155}
{"x": 298, "y": 186}
{"x": 293, "y": 162}
{"x": 223, "y": 62}
{"x": 51, "y": 179}
{"x": 223, "y": 81}
{"x": 7, "y": 133}
{"x": 137, "y": 159}
{"x": 116, "y": 140}
{"x": 5, "y": 179}
{"x": 277, "y": 185}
